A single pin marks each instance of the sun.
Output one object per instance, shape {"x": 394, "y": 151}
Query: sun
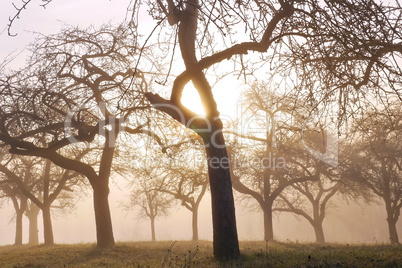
{"x": 226, "y": 94}
{"x": 191, "y": 99}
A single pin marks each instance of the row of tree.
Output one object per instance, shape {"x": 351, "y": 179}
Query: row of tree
{"x": 82, "y": 92}
{"x": 274, "y": 169}
{"x": 278, "y": 173}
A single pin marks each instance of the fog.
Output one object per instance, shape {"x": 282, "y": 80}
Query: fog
{"x": 346, "y": 223}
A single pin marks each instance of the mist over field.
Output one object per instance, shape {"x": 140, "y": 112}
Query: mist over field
{"x": 347, "y": 223}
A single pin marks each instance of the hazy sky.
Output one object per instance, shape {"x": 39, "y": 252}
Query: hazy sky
{"x": 79, "y": 227}
{"x": 51, "y": 19}
{"x": 86, "y": 13}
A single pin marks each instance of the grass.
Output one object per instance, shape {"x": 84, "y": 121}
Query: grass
{"x": 199, "y": 254}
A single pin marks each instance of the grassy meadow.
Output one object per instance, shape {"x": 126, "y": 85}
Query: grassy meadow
{"x": 199, "y": 254}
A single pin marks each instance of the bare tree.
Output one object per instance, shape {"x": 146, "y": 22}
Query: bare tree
{"x": 44, "y": 184}
{"x": 189, "y": 187}
{"x": 177, "y": 170}
{"x": 152, "y": 203}
{"x": 11, "y": 190}
{"x": 185, "y": 178}
{"x": 68, "y": 101}
{"x": 268, "y": 155}
{"x": 19, "y": 201}
{"x": 316, "y": 193}
{"x": 374, "y": 160}
{"x": 313, "y": 199}
{"x": 310, "y": 200}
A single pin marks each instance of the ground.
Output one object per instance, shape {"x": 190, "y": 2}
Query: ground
{"x": 199, "y": 254}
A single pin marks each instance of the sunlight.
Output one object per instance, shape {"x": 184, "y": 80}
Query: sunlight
{"x": 226, "y": 95}
{"x": 192, "y": 100}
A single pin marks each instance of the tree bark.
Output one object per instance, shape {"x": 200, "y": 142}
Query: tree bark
{"x": 19, "y": 211}
{"x": 391, "y": 220}
{"x": 47, "y": 218}
{"x": 195, "y": 223}
{"x": 32, "y": 215}
{"x": 153, "y": 234}
{"x": 47, "y": 225}
{"x": 319, "y": 233}
{"x": 103, "y": 220}
{"x": 318, "y": 218}
{"x": 268, "y": 224}
{"x": 393, "y": 233}
{"x": 225, "y": 240}
{"x": 18, "y": 228}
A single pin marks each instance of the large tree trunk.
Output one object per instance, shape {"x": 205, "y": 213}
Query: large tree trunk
{"x": 32, "y": 215}
{"x": 103, "y": 220}
{"x": 319, "y": 233}
{"x": 18, "y": 228}
{"x": 391, "y": 220}
{"x": 47, "y": 225}
{"x": 47, "y": 219}
{"x": 225, "y": 239}
{"x": 317, "y": 222}
{"x": 393, "y": 234}
{"x": 268, "y": 224}
{"x": 195, "y": 223}
{"x": 153, "y": 233}
{"x": 19, "y": 210}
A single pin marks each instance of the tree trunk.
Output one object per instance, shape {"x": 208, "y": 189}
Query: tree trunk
{"x": 319, "y": 233}
{"x": 19, "y": 210}
{"x": 47, "y": 225}
{"x": 18, "y": 227}
{"x": 32, "y": 215}
{"x": 103, "y": 220}
{"x": 153, "y": 229}
{"x": 195, "y": 223}
{"x": 268, "y": 224}
{"x": 393, "y": 233}
{"x": 317, "y": 222}
{"x": 225, "y": 241}
{"x": 391, "y": 220}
